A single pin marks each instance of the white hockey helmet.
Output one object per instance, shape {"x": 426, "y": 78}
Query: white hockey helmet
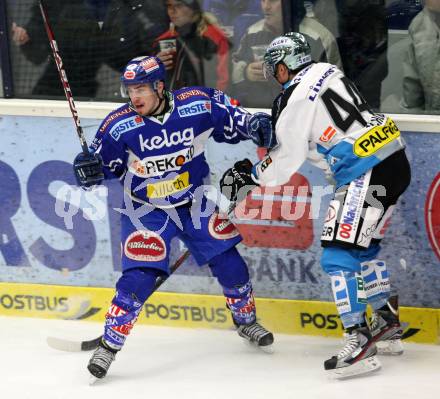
{"x": 292, "y": 49}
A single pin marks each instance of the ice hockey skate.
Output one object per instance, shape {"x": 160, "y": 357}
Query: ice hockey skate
{"x": 357, "y": 357}
{"x": 257, "y": 335}
{"x": 386, "y": 328}
{"x": 100, "y": 362}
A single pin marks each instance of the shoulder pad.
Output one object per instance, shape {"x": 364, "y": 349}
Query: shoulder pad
{"x": 114, "y": 116}
{"x": 192, "y": 93}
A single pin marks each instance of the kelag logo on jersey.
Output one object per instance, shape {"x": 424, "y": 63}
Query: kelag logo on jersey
{"x": 126, "y": 125}
{"x": 186, "y": 137}
{"x": 194, "y": 108}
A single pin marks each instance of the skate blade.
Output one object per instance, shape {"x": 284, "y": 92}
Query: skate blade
{"x": 92, "y": 379}
{"x": 361, "y": 367}
{"x": 266, "y": 349}
{"x": 392, "y": 347}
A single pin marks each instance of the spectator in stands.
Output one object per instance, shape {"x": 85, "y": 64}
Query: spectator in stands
{"x": 194, "y": 49}
{"x": 249, "y": 84}
{"x": 311, "y": 27}
{"x": 363, "y": 43}
{"x": 90, "y": 34}
{"x": 326, "y": 12}
{"x": 234, "y": 16}
{"x": 421, "y": 67}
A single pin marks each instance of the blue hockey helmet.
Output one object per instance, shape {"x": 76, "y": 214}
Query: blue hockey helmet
{"x": 141, "y": 70}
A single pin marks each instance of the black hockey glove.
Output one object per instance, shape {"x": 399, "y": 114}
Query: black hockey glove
{"x": 260, "y": 130}
{"x": 88, "y": 169}
{"x": 237, "y": 181}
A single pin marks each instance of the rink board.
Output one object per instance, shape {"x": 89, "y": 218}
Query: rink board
{"x": 197, "y": 311}
{"x": 52, "y": 232}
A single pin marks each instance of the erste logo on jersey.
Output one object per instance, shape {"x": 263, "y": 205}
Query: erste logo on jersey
{"x": 126, "y": 125}
{"x": 194, "y": 108}
{"x": 186, "y": 137}
{"x": 156, "y": 166}
{"x": 145, "y": 245}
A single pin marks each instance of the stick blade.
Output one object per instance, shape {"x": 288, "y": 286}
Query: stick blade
{"x": 66, "y": 345}
{"x": 63, "y": 344}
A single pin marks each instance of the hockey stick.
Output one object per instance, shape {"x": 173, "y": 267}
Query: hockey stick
{"x": 88, "y": 345}
{"x": 63, "y": 78}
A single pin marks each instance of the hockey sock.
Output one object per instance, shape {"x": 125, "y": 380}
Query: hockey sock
{"x": 231, "y": 271}
{"x": 349, "y": 296}
{"x": 241, "y": 303}
{"x": 120, "y": 318}
{"x": 377, "y": 284}
{"x": 132, "y": 290}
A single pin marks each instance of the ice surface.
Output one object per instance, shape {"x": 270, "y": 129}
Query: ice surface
{"x": 165, "y": 363}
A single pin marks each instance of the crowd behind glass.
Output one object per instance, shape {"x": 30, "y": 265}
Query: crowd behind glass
{"x": 389, "y": 48}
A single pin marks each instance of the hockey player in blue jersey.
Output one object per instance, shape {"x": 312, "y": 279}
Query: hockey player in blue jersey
{"x": 155, "y": 146}
{"x": 321, "y": 116}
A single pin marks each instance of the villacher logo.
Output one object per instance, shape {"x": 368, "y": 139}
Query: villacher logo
{"x": 145, "y": 246}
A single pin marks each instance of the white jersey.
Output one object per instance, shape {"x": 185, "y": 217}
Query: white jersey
{"x": 322, "y": 117}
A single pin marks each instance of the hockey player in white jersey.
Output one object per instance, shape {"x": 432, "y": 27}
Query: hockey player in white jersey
{"x": 321, "y": 116}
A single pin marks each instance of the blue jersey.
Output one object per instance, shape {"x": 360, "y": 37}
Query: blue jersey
{"x": 161, "y": 160}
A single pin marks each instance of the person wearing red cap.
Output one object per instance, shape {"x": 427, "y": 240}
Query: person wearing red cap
{"x": 195, "y": 51}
